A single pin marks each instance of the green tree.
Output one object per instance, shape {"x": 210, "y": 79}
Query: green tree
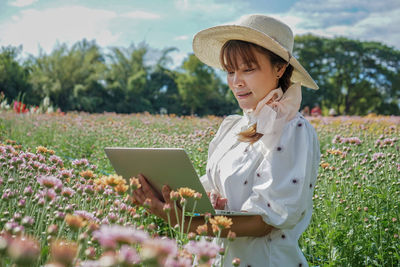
{"x": 14, "y": 77}
{"x": 201, "y": 90}
{"x": 71, "y": 78}
{"x": 126, "y": 79}
{"x": 355, "y": 77}
{"x": 162, "y": 86}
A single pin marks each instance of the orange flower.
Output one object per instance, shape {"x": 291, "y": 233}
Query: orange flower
{"x": 219, "y": 223}
{"x": 113, "y": 180}
{"x": 324, "y": 165}
{"x": 99, "y": 182}
{"x": 186, "y": 192}
{"x": 17, "y": 146}
{"x": 202, "y": 229}
{"x": 41, "y": 149}
{"x": 134, "y": 182}
{"x": 63, "y": 252}
{"x": 11, "y": 142}
{"x": 121, "y": 189}
{"x": 75, "y": 222}
{"x": 87, "y": 174}
{"x": 334, "y": 152}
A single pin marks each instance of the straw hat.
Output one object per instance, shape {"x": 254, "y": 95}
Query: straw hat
{"x": 262, "y": 30}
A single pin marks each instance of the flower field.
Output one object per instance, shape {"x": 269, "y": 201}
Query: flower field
{"x": 62, "y": 205}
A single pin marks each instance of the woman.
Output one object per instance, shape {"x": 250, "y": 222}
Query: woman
{"x": 265, "y": 161}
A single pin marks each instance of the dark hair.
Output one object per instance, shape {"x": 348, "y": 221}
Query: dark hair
{"x": 234, "y": 49}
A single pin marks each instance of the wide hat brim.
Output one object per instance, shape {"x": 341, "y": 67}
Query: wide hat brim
{"x": 207, "y": 46}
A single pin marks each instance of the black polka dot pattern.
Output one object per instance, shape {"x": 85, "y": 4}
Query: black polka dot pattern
{"x": 258, "y": 174}
{"x": 245, "y": 182}
{"x": 279, "y": 148}
{"x": 294, "y": 181}
{"x": 300, "y": 124}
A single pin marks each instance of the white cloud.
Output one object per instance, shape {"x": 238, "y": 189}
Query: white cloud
{"x": 181, "y": 37}
{"x": 22, "y": 3}
{"x": 364, "y": 20}
{"x": 207, "y": 7}
{"x": 141, "y": 15}
{"x": 177, "y": 58}
{"x": 34, "y": 28}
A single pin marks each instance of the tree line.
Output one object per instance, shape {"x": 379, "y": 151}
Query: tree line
{"x": 355, "y": 78}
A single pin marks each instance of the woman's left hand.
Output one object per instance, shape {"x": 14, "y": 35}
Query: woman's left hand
{"x": 146, "y": 196}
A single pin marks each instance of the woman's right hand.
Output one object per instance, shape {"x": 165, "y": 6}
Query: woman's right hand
{"x": 217, "y": 201}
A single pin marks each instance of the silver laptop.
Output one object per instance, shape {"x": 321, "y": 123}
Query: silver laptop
{"x": 164, "y": 166}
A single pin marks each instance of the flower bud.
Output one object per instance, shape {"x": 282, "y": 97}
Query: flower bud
{"x": 167, "y": 208}
{"x": 231, "y": 235}
{"x": 236, "y": 262}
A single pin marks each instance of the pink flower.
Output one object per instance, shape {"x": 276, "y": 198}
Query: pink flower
{"x": 204, "y": 250}
{"x": 160, "y": 249}
{"x": 24, "y": 251}
{"x": 178, "y": 262}
{"x": 110, "y": 236}
{"x": 90, "y": 264}
{"x": 378, "y": 155}
{"x": 128, "y": 256}
{"x": 67, "y": 192}
{"x": 65, "y": 174}
{"x": 87, "y": 215}
{"x": 49, "y": 181}
{"x": 80, "y": 162}
{"x": 56, "y": 160}
{"x": 27, "y": 221}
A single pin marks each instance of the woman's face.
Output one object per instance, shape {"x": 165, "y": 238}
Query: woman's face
{"x": 250, "y": 84}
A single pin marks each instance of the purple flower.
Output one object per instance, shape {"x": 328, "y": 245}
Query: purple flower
{"x": 127, "y": 255}
{"x": 48, "y": 194}
{"x": 28, "y": 191}
{"x": 27, "y": 221}
{"x": 178, "y": 262}
{"x": 110, "y": 236}
{"x": 87, "y": 215}
{"x": 15, "y": 161}
{"x": 160, "y": 249}
{"x": 65, "y": 174}
{"x": 378, "y": 155}
{"x": 204, "y": 250}
{"x": 49, "y": 181}
{"x": 112, "y": 217}
{"x": 56, "y": 160}
{"x": 60, "y": 215}
{"x": 67, "y": 192}
{"x": 24, "y": 251}
{"x": 21, "y": 203}
{"x": 80, "y": 162}
{"x": 90, "y": 264}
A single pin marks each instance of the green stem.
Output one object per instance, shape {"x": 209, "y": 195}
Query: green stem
{"x": 226, "y": 251}
{"x": 169, "y": 223}
{"x": 183, "y": 222}
{"x": 176, "y": 213}
{"x": 191, "y": 217}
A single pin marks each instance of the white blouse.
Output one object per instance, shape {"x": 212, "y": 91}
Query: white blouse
{"x": 274, "y": 177}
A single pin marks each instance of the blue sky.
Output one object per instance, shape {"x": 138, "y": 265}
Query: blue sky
{"x": 172, "y": 23}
